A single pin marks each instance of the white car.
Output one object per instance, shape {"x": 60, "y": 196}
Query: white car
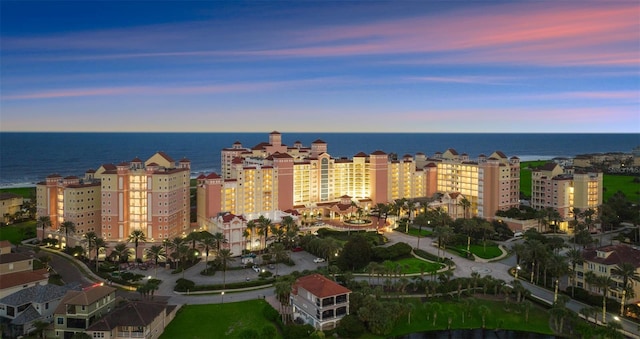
{"x": 318, "y": 260}
{"x": 256, "y": 268}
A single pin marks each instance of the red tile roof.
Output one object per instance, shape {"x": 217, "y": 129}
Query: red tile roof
{"x": 21, "y": 278}
{"x": 185, "y": 160}
{"x": 54, "y": 176}
{"x": 318, "y": 141}
{"x": 360, "y": 155}
{"x": 378, "y": 152}
{"x": 501, "y": 155}
{"x": 319, "y": 286}
{"x": 136, "y": 159}
{"x": 619, "y": 254}
{"x": 274, "y": 132}
{"x": 213, "y": 175}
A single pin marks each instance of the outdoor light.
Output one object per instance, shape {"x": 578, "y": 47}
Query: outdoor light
{"x": 517, "y": 270}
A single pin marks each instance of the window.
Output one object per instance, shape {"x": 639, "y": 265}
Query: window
{"x": 60, "y": 321}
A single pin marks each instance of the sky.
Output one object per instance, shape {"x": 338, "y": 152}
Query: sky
{"x": 541, "y": 66}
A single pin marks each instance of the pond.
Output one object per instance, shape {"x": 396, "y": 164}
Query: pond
{"x": 476, "y": 334}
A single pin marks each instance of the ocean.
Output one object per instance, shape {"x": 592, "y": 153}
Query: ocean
{"x": 27, "y": 158}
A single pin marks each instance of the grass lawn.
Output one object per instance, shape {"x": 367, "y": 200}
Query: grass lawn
{"x": 624, "y": 183}
{"x": 222, "y": 320}
{"x": 25, "y": 192}
{"x": 492, "y": 251}
{"x": 17, "y": 232}
{"x": 413, "y": 265}
{"x": 509, "y": 317}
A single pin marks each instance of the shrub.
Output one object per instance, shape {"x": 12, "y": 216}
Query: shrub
{"x": 265, "y": 274}
{"x": 350, "y": 327}
{"x": 294, "y": 331}
{"x": 183, "y": 285}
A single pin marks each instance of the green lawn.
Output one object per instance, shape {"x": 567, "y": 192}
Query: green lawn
{"x": 500, "y": 315}
{"x": 218, "y": 320}
{"x": 413, "y": 265}
{"x": 624, "y": 183}
{"x": 25, "y": 192}
{"x": 17, "y": 232}
{"x": 492, "y": 251}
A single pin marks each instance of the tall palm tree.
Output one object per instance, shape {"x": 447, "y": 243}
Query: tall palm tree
{"x": 156, "y": 252}
{"x": 442, "y": 233}
{"x": 290, "y": 229}
{"x": 137, "y": 236}
{"x": 629, "y": 275}
{"x": 264, "y": 225}
{"x": 465, "y": 204}
{"x": 176, "y": 245}
{"x": 67, "y": 227}
{"x": 278, "y": 253}
{"x": 44, "y": 222}
{"x": 468, "y": 226}
{"x": 252, "y": 226}
{"x": 575, "y": 259}
{"x": 90, "y": 239}
{"x": 99, "y": 244}
{"x": 604, "y": 282}
{"x": 218, "y": 240}
{"x": 206, "y": 245}
{"x": 225, "y": 257}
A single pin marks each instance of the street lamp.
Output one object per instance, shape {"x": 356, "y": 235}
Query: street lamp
{"x": 222, "y": 294}
{"x": 518, "y": 268}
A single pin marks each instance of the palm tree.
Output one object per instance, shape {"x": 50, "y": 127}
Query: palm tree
{"x": 39, "y": 327}
{"x": 278, "y": 253}
{"x": 194, "y": 237}
{"x": 290, "y": 229}
{"x": 137, "y": 236}
{"x": 575, "y": 259}
{"x": 225, "y": 257}
{"x": 465, "y": 204}
{"x": 251, "y": 226}
{"x": 264, "y": 225}
{"x": 629, "y": 275}
{"x": 484, "y": 312}
{"x": 218, "y": 240}
{"x": 604, "y": 282}
{"x": 442, "y": 233}
{"x": 44, "y": 222}
{"x": 67, "y": 227}
{"x": 90, "y": 238}
{"x": 156, "y": 252}
{"x": 206, "y": 245}
{"x": 122, "y": 252}
{"x": 468, "y": 226}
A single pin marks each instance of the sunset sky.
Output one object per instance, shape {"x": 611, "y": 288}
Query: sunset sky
{"x": 320, "y": 66}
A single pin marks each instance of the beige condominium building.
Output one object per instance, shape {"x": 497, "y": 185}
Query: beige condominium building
{"x": 272, "y": 177}
{"x": 151, "y": 196}
{"x": 565, "y": 189}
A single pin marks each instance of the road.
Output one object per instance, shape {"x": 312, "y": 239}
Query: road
{"x": 304, "y": 261}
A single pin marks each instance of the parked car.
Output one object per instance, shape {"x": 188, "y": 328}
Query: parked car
{"x": 318, "y": 260}
{"x": 271, "y": 266}
{"x": 297, "y": 249}
{"x": 256, "y": 268}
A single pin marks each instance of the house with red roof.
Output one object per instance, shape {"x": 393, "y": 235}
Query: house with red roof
{"x": 603, "y": 261}
{"x": 319, "y": 301}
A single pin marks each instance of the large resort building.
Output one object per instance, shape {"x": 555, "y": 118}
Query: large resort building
{"x": 114, "y": 200}
{"x": 272, "y": 177}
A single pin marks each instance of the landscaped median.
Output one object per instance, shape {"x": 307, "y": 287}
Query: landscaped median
{"x": 187, "y": 287}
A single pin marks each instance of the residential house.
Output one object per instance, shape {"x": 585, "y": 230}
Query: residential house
{"x": 134, "y": 319}
{"x": 319, "y": 301}
{"x": 16, "y": 271}
{"x": 602, "y": 261}
{"x": 10, "y": 204}
{"x": 78, "y": 310}
{"x": 23, "y": 308}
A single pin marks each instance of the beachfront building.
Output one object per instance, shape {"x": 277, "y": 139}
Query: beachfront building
{"x": 319, "y": 301}
{"x": 565, "y": 189}
{"x": 114, "y": 200}
{"x": 490, "y": 183}
{"x": 272, "y": 177}
{"x": 72, "y": 199}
